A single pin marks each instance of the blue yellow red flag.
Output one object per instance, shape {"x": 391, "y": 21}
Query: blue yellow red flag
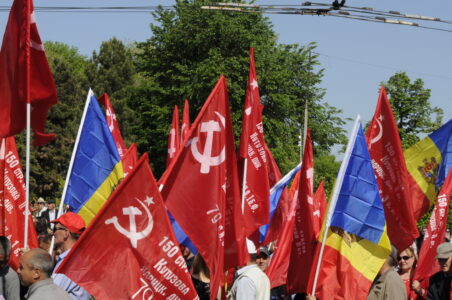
{"x": 428, "y": 162}
{"x": 356, "y": 243}
{"x": 96, "y": 166}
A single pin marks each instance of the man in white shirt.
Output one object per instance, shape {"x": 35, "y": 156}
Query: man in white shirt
{"x": 251, "y": 283}
{"x": 51, "y": 213}
{"x": 41, "y": 207}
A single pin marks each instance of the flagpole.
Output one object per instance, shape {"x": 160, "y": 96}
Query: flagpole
{"x": 28, "y": 100}
{"x": 335, "y": 195}
{"x": 245, "y": 169}
{"x": 71, "y": 163}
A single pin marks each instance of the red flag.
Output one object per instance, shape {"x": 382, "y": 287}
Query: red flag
{"x": 25, "y": 75}
{"x": 132, "y": 230}
{"x": 256, "y": 210}
{"x": 12, "y": 201}
{"x": 304, "y": 235}
{"x": 201, "y": 188}
{"x": 130, "y": 159}
{"x": 388, "y": 162}
{"x": 277, "y": 271}
{"x": 319, "y": 207}
{"x": 173, "y": 138}
{"x": 113, "y": 124}
{"x": 185, "y": 123}
{"x": 427, "y": 264}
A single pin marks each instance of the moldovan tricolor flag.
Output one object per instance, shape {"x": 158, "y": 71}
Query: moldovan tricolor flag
{"x": 25, "y": 75}
{"x": 356, "y": 244}
{"x": 256, "y": 206}
{"x": 304, "y": 234}
{"x": 96, "y": 167}
{"x": 427, "y": 264}
{"x": 429, "y": 162}
{"x": 173, "y": 138}
{"x": 185, "y": 127}
{"x": 113, "y": 125}
{"x": 12, "y": 201}
{"x": 388, "y": 162}
{"x": 201, "y": 188}
{"x": 132, "y": 236}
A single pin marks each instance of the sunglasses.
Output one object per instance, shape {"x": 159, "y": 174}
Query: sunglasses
{"x": 403, "y": 257}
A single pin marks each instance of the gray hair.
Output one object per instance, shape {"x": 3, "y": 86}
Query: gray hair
{"x": 41, "y": 259}
{"x": 5, "y": 246}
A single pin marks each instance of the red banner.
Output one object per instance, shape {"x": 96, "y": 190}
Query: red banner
{"x": 132, "y": 229}
{"x": 185, "y": 127}
{"x": 173, "y": 138}
{"x": 277, "y": 271}
{"x": 304, "y": 235}
{"x": 12, "y": 201}
{"x": 319, "y": 207}
{"x": 252, "y": 151}
{"x": 201, "y": 188}
{"x": 427, "y": 264}
{"x": 388, "y": 162}
{"x": 130, "y": 159}
{"x": 113, "y": 125}
{"x": 25, "y": 75}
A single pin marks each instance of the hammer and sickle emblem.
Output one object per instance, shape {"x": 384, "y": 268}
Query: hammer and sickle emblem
{"x": 206, "y": 159}
{"x": 133, "y": 235}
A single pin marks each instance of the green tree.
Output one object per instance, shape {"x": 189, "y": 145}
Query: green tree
{"x": 188, "y": 51}
{"x": 412, "y": 109}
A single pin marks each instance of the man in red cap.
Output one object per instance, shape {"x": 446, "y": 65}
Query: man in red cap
{"x": 68, "y": 228}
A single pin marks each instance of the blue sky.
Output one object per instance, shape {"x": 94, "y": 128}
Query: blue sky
{"x": 356, "y": 55}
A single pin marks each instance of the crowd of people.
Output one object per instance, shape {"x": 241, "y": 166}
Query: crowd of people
{"x": 36, "y": 278}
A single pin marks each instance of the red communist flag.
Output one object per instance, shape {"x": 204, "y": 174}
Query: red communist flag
{"x": 185, "y": 127}
{"x": 427, "y": 264}
{"x": 256, "y": 211}
{"x": 304, "y": 235}
{"x": 25, "y": 75}
{"x": 390, "y": 169}
{"x": 173, "y": 138}
{"x": 130, "y": 159}
{"x": 201, "y": 188}
{"x": 319, "y": 206}
{"x": 131, "y": 235}
{"x": 113, "y": 124}
{"x": 12, "y": 201}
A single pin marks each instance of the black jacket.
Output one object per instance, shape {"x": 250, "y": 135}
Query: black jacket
{"x": 45, "y": 214}
{"x": 439, "y": 288}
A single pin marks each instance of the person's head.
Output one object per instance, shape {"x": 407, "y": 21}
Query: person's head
{"x": 51, "y": 204}
{"x": 41, "y": 203}
{"x": 67, "y": 230}
{"x": 34, "y": 265}
{"x": 186, "y": 253}
{"x": 407, "y": 259}
{"x": 252, "y": 251}
{"x": 444, "y": 257}
{"x": 199, "y": 266}
{"x": 41, "y": 225}
{"x": 263, "y": 258}
{"x": 390, "y": 262}
{"x": 5, "y": 251}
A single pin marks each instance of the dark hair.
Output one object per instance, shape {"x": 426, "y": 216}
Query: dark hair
{"x": 5, "y": 246}
{"x": 200, "y": 266}
{"x": 41, "y": 225}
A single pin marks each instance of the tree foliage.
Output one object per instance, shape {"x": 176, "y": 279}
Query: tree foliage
{"x": 412, "y": 109}
{"x": 188, "y": 51}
